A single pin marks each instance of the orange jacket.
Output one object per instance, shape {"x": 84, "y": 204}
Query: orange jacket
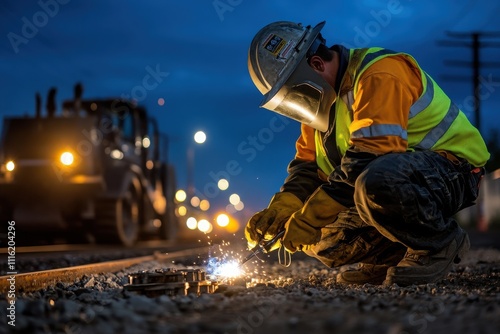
{"x": 386, "y": 91}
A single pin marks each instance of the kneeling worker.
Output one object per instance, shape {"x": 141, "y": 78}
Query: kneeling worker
{"x": 383, "y": 162}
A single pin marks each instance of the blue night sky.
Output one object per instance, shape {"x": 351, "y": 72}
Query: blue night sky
{"x": 199, "y": 51}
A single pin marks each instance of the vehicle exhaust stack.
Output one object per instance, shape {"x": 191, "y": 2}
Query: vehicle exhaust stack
{"x": 77, "y": 102}
{"x": 51, "y": 103}
{"x": 38, "y": 105}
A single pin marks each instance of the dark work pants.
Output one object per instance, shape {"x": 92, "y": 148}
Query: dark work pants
{"x": 410, "y": 198}
{"x": 349, "y": 240}
{"x": 402, "y": 200}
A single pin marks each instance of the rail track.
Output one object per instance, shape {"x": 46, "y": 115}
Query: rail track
{"x": 91, "y": 247}
{"x": 32, "y": 281}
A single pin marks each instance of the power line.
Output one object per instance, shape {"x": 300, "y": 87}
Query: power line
{"x": 475, "y": 43}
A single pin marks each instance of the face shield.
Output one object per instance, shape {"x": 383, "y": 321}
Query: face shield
{"x": 304, "y": 96}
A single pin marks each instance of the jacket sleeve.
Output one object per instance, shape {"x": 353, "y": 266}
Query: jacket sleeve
{"x": 303, "y": 177}
{"x": 386, "y": 91}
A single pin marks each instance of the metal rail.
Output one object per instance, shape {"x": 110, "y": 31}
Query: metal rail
{"x": 33, "y": 281}
{"x": 87, "y": 247}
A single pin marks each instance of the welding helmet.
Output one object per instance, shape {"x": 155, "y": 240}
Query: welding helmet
{"x": 278, "y": 65}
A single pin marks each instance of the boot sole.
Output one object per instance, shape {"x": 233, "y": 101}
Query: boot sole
{"x": 400, "y": 280}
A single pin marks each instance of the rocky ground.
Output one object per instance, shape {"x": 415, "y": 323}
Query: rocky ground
{"x": 301, "y": 298}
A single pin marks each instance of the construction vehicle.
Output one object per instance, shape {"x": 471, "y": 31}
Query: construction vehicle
{"x": 99, "y": 168}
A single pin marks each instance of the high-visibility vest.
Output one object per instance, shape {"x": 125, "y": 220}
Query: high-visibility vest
{"x": 434, "y": 123}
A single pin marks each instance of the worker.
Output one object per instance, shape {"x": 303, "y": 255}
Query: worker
{"x": 383, "y": 161}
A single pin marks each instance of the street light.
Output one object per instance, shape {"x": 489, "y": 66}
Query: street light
{"x": 199, "y": 137}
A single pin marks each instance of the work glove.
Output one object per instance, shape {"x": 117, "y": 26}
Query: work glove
{"x": 264, "y": 225}
{"x": 303, "y": 229}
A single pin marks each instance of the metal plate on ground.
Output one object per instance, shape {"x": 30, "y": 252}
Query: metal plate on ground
{"x": 171, "y": 282}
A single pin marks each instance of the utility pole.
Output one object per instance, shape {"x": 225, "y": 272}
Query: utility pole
{"x": 475, "y": 43}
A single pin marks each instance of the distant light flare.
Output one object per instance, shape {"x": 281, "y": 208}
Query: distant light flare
{"x": 234, "y": 199}
{"x": 191, "y": 223}
{"x": 204, "y": 205}
{"x": 180, "y": 195}
{"x": 205, "y": 226}
{"x": 195, "y": 201}
{"x": 67, "y": 158}
{"x": 222, "y": 220}
{"x": 200, "y": 137}
{"x": 223, "y": 184}
{"x": 116, "y": 154}
{"x": 10, "y": 166}
{"x": 146, "y": 142}
{"x": 239, "y": 206}
{"x": 182, "y": 210}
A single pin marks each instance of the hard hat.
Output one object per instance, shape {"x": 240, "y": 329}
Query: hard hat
{"x": 277, "y": 62}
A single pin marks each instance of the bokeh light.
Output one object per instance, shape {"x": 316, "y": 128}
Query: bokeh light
{"x": 182, "y": 210}
{"x": 180, "y": 195}
{"x": 200, "y": 137}
{"x": 195, "y": 201}
{"x": 67, "y": 158}
{"x": 204, "y": 205}
{"x": 239, "y": 206}
{"x": 191, "y": 223}
{"x": 234, "y": 199}
{"x": 205, "y": 226}
{"x": 223, "y": 184}
{"x": 10, "y": 166}
{"x": 222, "y": 220}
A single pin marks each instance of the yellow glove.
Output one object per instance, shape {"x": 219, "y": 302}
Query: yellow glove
{"x": 264, "y": 225}
{"x": 304, "y": 227}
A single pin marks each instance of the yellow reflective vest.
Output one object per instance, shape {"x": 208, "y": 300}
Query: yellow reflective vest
{"x": 432, "y": 121}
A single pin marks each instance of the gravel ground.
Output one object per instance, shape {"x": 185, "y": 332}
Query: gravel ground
{"x": 301, "y": 298}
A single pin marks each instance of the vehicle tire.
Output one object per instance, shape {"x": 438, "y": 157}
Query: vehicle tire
{"x": 118, "y": 220}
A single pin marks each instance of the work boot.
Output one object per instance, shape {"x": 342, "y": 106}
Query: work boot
{"x": 420, "y": 267}
{"x": 364, "y": 273}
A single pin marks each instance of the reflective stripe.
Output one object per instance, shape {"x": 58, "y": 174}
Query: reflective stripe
{"x": 424, "y": 100}
{"x": 321, "y": 159}
{"x": 438, "y": 131}
{"x": 380, "y": 130}
{"x": 348, "y": 99}
{"x": 371, "y": 56}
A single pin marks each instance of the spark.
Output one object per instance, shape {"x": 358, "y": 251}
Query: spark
{"x": 224, "y": 263}
{"x": 225, "y": 269}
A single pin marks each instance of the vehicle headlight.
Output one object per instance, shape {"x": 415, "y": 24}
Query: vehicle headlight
{"x": 10, "y": 165}
{"x": 67, "y": 158}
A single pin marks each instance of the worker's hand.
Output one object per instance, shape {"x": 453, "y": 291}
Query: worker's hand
{"x": 303, "y": 229}
{"x": 264, "y": 225}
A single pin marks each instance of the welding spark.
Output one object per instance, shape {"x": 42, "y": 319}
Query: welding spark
{"x": 224, "y": 269}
